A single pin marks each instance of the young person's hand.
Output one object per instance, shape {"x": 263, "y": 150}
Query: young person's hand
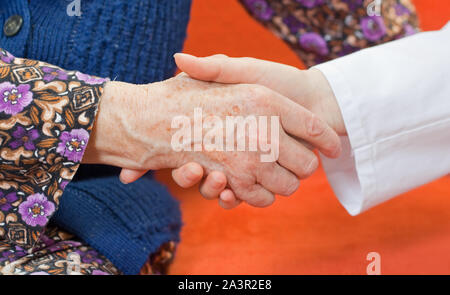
{"x": 308, "y": 88}
{"x": 134, "y": 131}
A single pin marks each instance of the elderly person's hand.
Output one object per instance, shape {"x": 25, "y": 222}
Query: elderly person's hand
{"x": 307, "y": 88}
{"x": 134, "y": 131}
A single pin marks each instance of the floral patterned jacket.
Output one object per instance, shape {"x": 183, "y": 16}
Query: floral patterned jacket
{"x": 46, "y": 115}
{"x": 322, "y": 30}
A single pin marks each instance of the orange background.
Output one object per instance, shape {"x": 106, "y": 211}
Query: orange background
{"x": 309, "y": 232}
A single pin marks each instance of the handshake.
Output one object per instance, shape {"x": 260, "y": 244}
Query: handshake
{"x": 244, "y": 127}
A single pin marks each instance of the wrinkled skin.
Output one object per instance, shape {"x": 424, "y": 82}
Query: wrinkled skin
{"x": 133, "y": 130}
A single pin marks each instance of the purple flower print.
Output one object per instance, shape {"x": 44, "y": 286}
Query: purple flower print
{"x": 13, "y": 254}
{"x": 46, "y": 241}
{"x": 354, "y": 4}
{"x": 347, "y": 49}
{"x": 401, "y": 10}
{"x": 25, "y": 138}
{"x": 6, "y": 57}
{"x": 13, "y": 99}
{"x": 293, "y": 24}
{"x": 373, "y": 28}
{"x": 72, "y": 144}
{"x": 52, "y": 74}
{"x": 409, "y": 30}
{"x": 62, "y": 245}
{"x": 260, "y": 8}
{"x": 89, "y": 256}
{"x": 310, "y": 3}
{"x": 36, "y": 210}
{"x": 7, "y": 200}
{"x": 313, "y": 42}
{"x": 91, "y": 80}
{"x": 63, "y": 184}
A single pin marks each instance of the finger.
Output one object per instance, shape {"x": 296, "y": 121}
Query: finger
{"x": 228, "y": 200}
{"x": 296, "y": 157}
{"x": 301, "y": 123}
{"x": 257, "y": 196}
{"x": 129, "y": 175}
{"x": 213, "y": 185}
{"x": 303, "y": 142}
{"x": 278, "y": 180}
{"x": 223, "y": 69}
{"x": 188, "y": 175}
{"x": 213, "y": 68}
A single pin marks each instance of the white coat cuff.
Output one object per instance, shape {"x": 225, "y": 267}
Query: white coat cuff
{"x": 351, "y": 175}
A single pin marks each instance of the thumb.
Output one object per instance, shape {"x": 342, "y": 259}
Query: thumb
{"x": 220, "y": 68}
{"x": 129, "y": 175}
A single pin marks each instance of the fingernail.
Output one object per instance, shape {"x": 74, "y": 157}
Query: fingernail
{"x": 183, "y": 54}
{"x": 315, "y": 126}
{"x": 121, "y": 180}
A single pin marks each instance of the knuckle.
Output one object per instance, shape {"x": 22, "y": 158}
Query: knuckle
{"x": 291, "y": 186}
{"x": 260, "y": 201}
{"x": 314, "y": 126}
{"x": 261, "y": 198}
{"x": 258, "y": 92}
{"x": 257, "y": 97}
{"x": 248, "y": 196}
{"x": 217, "y": 73}
{"x": 220, "y": 55}
{"x": 266, "y": 202}
{"x": 310, "y": 167}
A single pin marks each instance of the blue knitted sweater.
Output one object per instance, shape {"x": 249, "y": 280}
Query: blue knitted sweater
{"x": 126, "y": 40}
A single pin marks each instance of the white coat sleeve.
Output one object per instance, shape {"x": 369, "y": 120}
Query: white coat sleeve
{"x": 395, "y": 101}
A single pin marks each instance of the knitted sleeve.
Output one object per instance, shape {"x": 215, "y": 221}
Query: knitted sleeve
{"x": 321, "y": 30}
{"x": 46, "y": 114}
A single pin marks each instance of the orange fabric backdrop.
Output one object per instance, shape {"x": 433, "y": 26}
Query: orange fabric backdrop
{"x": 309, "y": 232}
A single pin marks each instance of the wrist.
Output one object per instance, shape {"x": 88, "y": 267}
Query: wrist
{"x": 103, "y": 135}
{"x": 324, "y": 102}
{"x": 124, "y": 129}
